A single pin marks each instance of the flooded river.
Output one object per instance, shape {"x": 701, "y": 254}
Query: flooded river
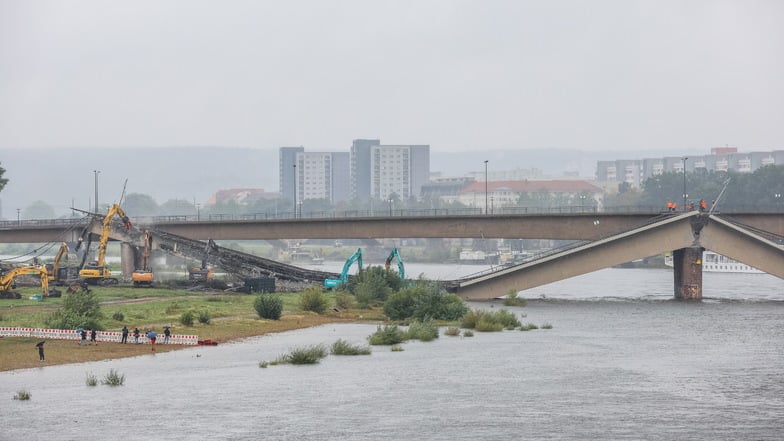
{"x": 623, "y": 361}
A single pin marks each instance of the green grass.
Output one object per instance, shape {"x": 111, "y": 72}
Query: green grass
{"x": 423, "y": 330}
{"x": 342, "y": 347}
{"x": 91, "y": 379}
{"x": 396, "y": 348}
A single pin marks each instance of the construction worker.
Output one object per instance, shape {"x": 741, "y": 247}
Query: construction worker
{"x": 703, "y": 205}
{"x": 670, "y": 206}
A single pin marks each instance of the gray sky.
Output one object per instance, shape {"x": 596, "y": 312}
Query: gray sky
{"x": 458, "y": 75}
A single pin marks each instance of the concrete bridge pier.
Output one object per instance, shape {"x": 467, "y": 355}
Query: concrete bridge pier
{"x": 127, "y": 260}
{"x": 687, "y": 271}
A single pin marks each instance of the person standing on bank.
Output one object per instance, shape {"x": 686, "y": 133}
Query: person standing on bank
{"x": 124, "y": 335}
{"x": 152, "y": 335}
{"x": 92, "y": 336}
{"x": 40, "y": 346}
{"x": 166, "y": 334}
{"x": 136, "y": 336}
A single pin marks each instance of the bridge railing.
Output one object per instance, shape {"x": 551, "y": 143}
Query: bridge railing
{"x": 381, "y": 212}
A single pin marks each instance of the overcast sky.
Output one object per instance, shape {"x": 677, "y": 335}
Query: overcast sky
{"x": 458, "y": 75}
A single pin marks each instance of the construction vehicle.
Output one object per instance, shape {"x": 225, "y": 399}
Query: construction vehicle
{"x": 356, "y": 257}
{"x": 203, "y": 273}
{"x": 400, "y": 267}
{"x": 97, "y": 273}
{"x": 143, "y": 277}
{"x": 8, "y": 281}
{"x": 58, "y": 274}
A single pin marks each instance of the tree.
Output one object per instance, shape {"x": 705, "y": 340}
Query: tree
{"x": 78, "y": 310}
{"x": 3, "y": 181}
{"x": 178, "y": 207}
{"x": 39, "y": 210}
{"x": 137, "y": 204}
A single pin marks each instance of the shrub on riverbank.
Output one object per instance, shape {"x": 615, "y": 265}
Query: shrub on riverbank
{"x": 313, "y": 299}
{"x": 113, "y": 378}
{"x": 305, "y": 355}
{"x": 424, "y": 299}
{"x": 387, "y": 335}
{"x": 268, "y": 306}
{"x": 489, "y": 321}
{"x": 342, "y": 347}
{"x": 423, "y": 330}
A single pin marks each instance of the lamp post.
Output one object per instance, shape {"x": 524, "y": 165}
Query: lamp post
{"x": 96, "y": 172}
{"x": 18, "y": 221}
{"x": 295, "y": 191}
{"x": 485, "y": 186}
{"x": 198, "y": 213}
{"x": 684, "y": 181}
{"x": 390, "y": 206}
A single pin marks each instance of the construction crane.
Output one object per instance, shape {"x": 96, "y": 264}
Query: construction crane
{"x": 97, "y": 272}
{"x": 8, "y": 280}
{"x": 356, "y": 257}
{"x": 143, "y": 277}
{"x": 394, "y": 254}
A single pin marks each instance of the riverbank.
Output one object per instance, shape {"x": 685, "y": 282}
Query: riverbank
{"x": 232, "y": 318}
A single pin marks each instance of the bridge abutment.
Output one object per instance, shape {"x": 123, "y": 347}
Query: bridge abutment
{"x": 687, "y": 273}
{"x": 127, "y": 260}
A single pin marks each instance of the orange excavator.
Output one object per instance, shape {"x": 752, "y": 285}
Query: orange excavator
{"x": 143, "y": 277}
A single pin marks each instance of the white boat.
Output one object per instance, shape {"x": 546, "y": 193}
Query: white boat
{"x": 717, "y": 263}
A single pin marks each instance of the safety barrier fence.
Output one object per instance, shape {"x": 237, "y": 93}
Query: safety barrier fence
{"x": 100, "y": 336}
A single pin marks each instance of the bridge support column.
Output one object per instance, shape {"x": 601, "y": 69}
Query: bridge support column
{"x": 127, "y": 260}
{"x": 687, "y": 272}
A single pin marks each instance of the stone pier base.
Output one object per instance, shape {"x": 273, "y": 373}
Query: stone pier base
{"x": 687, "y": 272}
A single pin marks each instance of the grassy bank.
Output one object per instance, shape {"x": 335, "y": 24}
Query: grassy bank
{"x": 231, "y": 317}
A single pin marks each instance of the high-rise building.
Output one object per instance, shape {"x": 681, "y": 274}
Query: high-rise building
{"x": 399, "y": 170}
{"x": 322, "y": 175}
{"x": 360, "y": 167}
{"x": 287, "y": 159}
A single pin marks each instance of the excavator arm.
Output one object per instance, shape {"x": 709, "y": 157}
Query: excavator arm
{"x": 400, "y": 267}
{"x": 7, "y": 279}
{"x": 98, "y": 273}
{"x": 355, "y": 258}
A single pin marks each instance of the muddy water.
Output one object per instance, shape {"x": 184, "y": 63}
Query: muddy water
{"x": 623, "y": 361}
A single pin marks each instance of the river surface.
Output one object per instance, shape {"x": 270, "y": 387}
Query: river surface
{"x": 623, "y": 361}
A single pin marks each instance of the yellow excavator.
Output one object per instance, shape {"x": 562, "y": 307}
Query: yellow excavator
{"x": 58, "y": 274}
{"x": 144, "y": 276}
{"x": 8, "y": 281}
{"x": 97, "y": 273}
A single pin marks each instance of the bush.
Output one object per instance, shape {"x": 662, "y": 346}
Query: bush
{"x": 423, "y": 330}
{"x": 268, "y": 306}
{"x": 423, "y": 300}
{"x": 485, "y": 321}
{"x": 511, "y": 299}
{"x": 313, "y": 299}
{"x": 204, "y": 317}
{"x": 113, "y": 378}
{"x": 397, "y": 348}
{"x": 342, "y": 347}
{"x": 91, "y": 379}
{"x": 388, "y": 335}
{"x": 119, "y": 316}
{"x": 22, "y": 395}
{"x": 79, "y": 310}
{"x": 187, "y": 318}
{"x": 344, "y": 300}
{"x": 372, "y": 285}
{"x": 307, "y": 355}
{"x": 452, "y": 331}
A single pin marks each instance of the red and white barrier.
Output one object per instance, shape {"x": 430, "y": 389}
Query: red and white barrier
{"x": 100, "y": 336}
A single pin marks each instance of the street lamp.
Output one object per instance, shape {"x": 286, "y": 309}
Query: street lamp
{"x": 198, "y": 213}
{"x": 18, "y": 221}
{"x": 295, "y": 191}
{"x": 96, "y": 172}
{"x": 485, "y": 186}
{"x": 684, "y": 181}
{"x": 390, "y": 206}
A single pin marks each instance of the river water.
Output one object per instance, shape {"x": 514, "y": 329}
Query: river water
{"x": 623, "y": 361}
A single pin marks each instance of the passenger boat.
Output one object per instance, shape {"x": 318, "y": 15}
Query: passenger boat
{"x": 717, "y": 263}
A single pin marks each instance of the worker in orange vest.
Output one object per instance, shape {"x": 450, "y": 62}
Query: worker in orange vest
{"x": 669, "y": 206}
{"x": 703, "y": 205}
